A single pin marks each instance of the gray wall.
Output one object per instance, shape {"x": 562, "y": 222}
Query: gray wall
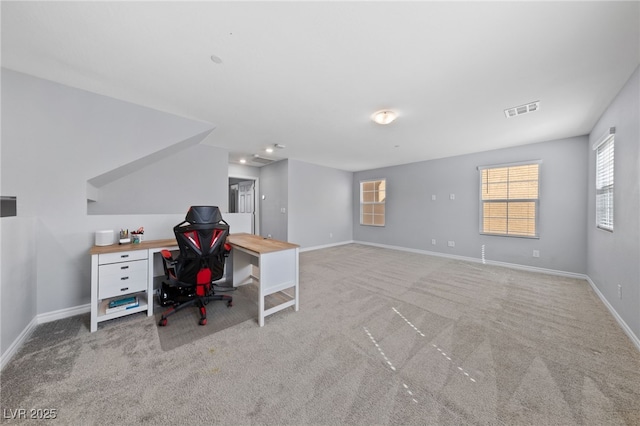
{"x": 613, "y": 258}
{"x": 413, "y": 219}
{"x": 274, "y": 188}
{"x": 54, "y": 139}
{"x": 320, "y": 207}
{"x": 18, "y": 277}
{"x": 157, "y": 188}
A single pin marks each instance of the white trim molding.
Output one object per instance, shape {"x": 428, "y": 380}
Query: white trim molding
{"x": 341, "y": 243}
{"x": 63, "y": 313}
{"x": 37, "y": 320}
{"x": 623, "y": 325}
{"x": 476, "y": 260}
{"x": 17, "y": 344}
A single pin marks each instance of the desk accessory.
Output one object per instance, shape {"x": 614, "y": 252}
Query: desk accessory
{"x": 124, "y": 236}
{"x": 136, "y": 236}
{"x": 104, "y": 238}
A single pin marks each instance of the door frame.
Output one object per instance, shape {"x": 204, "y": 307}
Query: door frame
{"x": 256, "y": 203}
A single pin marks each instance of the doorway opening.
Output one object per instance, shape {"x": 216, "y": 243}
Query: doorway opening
{"x": 242, "y": 199}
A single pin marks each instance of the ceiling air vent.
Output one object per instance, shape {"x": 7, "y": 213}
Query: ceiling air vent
{"x": 522, "y": 109}
{"x": 257, "y": 159}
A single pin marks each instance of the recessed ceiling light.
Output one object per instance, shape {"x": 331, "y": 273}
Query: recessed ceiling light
{"x": 384, "y": 116}
{"x": 216, "y": 59}
{"x": 269, "y": 150}
{"x": 242, "y": 161}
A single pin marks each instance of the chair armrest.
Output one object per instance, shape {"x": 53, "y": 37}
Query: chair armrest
{"x": 169, "y": 263}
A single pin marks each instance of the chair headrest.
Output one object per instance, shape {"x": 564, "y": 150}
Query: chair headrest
{"x": 203, "y": 214}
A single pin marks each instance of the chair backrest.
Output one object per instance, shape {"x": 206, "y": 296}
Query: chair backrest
{"x": 201, "y": 239}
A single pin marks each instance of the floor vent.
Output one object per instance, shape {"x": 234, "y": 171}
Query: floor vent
{"x": 522, "y": 109}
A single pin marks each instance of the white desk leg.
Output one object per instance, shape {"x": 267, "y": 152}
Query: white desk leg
{"x": 150, "y": 276}
{"x": 296, "y": 289}
{"x": 261, "y": 293}
{"x": 94, "y": 293}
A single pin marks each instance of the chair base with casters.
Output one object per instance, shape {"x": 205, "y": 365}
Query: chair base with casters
{"x": 199, "y": 302}
{"x": 181, "y": 297}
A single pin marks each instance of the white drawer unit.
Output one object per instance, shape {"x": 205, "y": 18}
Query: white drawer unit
{"x": 120, "y": 271}
{"x": 115, "y": 274}
{"x": 118, "y": 279}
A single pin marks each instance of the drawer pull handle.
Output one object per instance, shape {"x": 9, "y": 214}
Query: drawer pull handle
{"x": 124, "y": 255}
{"x": 124, "y": 278}
{"x": 124, "y": 289}
{"x": 124, "y": 267}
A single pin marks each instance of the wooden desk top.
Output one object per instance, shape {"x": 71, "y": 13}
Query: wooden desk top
{"x": 259, "y": 244}
{"x": 250, "y": 242}
{"x": 144, "y": 245}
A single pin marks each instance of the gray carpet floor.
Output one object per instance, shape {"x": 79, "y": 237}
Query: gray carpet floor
{"x": 382, "y": 337}
{"x": 182, "y": 325}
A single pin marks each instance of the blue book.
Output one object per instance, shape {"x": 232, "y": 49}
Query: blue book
{"x": 124, "y": 301}
{"x": 132, "y": 305}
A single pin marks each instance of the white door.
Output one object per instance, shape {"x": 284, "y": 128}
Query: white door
{"x": 245, "y": 199}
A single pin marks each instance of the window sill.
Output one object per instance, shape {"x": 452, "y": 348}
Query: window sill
{"x": 535, "y": 237}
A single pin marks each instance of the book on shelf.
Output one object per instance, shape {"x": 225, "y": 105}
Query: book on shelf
{"x": 122, "y": 301}
{"x": 130, "y": 303}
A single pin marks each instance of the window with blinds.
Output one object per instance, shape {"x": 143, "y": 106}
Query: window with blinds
{"x": 373, "y": 194}
{"x": 509, "y": 197}
{"x": 604, "y": 184}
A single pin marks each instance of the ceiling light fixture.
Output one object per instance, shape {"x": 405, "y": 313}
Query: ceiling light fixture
{"x": 384, "y": 116}
{"x": 242, "y": 161}
{"x": 216, "y": 59}
{"x": 273, "y": 147}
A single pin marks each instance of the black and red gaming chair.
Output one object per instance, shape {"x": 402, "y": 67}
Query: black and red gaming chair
{"x": 203, "y": 250}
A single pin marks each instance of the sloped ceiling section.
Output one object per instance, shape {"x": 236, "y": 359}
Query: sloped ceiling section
{"x": 126, "y": 169}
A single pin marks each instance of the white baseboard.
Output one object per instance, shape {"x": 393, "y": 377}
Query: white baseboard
{"x": 537, "y": 269}
{"x": 476, "y": 260}
{"x": 37, "y": 320}
{"x": 625, "y": 327}
{"x": 63, "y": 313}
{"x": 17, "y": 344}
{"x": 341, "y": 243}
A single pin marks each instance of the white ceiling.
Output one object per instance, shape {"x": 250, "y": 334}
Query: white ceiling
{"x": 308, "y": 75}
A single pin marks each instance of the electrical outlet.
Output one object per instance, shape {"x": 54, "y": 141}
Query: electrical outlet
{"x": 452, "y": 196}
{"x": 330, "y": 234}
{"x": 619, "y": 291}
{"x": 536, "y": 253}
{"x": 433, "y": 242}
{"x": 283, "y": 210}
{"x": 433, "y": 197}
{"x": 451, "y": 243}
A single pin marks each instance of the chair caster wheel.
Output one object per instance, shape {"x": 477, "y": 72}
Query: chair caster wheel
{"x": 203, "y": 321}
{"x": 229, "y": 304}
{"x": 163, "y": 322}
